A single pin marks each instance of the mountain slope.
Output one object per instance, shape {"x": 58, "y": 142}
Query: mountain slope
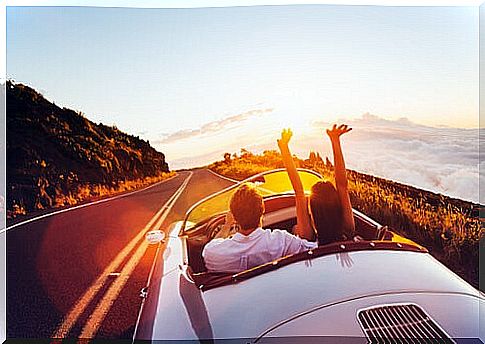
{"x": 56, "y": 156}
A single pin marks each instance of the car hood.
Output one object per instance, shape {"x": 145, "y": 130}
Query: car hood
{"x": 340, "y": 320}
{"x": 252, "y": 307}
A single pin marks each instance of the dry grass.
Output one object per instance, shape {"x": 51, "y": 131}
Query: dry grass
{"x": 85, "y": 192}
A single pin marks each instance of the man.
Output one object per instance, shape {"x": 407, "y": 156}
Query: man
{"x": 251, "y": 245}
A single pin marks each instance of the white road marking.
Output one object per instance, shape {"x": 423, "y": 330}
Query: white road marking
{"x": 83, "y": 205}
{"x": 223, "y": 177}
{"x": 96, "y": 318}
{"x": 238, "y": 181}
{"x": 76, "y": 311}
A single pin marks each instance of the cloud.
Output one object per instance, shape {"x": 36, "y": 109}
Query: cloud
{"x": 212, "y": 127}
{"x": 440, "y": 159}
{"x": 444, "y": 160}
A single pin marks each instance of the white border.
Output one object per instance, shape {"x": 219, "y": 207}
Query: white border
{"x": 232, "y": 3}
{"x": 174, "y": 4}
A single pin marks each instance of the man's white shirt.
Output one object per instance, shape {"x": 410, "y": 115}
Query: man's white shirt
{"x": 241, "y": 252}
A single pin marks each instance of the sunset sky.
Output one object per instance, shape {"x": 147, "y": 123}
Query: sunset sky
{"x": 199, "y": 82}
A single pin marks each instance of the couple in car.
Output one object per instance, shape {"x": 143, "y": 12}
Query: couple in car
{"x": 323, "y": 217}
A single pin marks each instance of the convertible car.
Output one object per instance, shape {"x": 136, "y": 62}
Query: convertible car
{"x": 382, "y": 289}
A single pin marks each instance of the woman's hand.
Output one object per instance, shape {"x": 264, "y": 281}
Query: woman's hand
{"x": 304, "y": 228}
{"x": 336, "y": 132}
{"x": 341, "y": 181}
{"x": 286, "y": 135}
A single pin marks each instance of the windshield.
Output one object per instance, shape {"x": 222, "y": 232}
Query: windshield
{"x": 269, "y": 183}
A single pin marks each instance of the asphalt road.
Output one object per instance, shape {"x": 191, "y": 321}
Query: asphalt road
{"x": 78, "y": 271}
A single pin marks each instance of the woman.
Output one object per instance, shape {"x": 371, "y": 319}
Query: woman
{"x": 328, "y": 209}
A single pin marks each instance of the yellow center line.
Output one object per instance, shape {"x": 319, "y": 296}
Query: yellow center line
{"x": 96, "y": 318}
{"x": 76, "y": 311}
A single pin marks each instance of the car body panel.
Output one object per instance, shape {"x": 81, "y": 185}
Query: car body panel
{"x": 258, "y": 304}
{"x": 338, "y": 320}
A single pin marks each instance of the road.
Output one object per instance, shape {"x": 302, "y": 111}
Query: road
{"x": 80, "y": 272}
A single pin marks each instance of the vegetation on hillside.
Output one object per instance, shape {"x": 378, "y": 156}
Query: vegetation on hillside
{"x": 450, "y": 228}
{"x": 57, "y": 157}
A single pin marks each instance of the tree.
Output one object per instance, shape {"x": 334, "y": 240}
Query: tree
{"x": 312, "y": 158}
{"x": 227, "y": 158}
{"x": 245, "y": 154}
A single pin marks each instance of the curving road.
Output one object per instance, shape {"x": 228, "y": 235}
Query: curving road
{"x": 79, "y": 273}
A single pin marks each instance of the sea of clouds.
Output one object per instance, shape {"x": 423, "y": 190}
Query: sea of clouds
{"x": 440, "y": 159}
{"x": 444, "y": 160}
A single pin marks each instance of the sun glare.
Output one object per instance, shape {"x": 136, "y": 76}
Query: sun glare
{"x": 293, "y": 120}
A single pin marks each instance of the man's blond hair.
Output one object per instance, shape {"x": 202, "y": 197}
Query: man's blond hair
{"x": 247, "y": 207}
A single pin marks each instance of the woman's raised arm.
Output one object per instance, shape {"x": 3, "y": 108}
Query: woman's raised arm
{"x": 304, "y": 228}
{"x": 341, "y": 177}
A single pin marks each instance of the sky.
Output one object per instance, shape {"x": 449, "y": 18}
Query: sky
{"x": 198, "y": 82}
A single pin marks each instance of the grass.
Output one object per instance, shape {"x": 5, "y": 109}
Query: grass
{"x": 84, "y": 192}
{"x": 451, "y": 229}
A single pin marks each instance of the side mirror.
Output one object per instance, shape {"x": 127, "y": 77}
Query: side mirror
{"x": 155, "y": 237}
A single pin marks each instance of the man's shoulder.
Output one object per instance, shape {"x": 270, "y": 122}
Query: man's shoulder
{"x": 290, "y": 239}
{"x": 279, "y": 234}
{"x": 214, "y": 245}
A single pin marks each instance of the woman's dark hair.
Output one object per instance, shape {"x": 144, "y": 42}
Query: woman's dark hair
{"x": 326, "y": 212}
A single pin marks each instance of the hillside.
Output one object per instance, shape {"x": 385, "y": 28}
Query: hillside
{"x": 449, "y": 228}
{"x": 57, "y": 157}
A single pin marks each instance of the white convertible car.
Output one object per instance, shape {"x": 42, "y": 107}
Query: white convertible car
{"x": 385, "y": 289}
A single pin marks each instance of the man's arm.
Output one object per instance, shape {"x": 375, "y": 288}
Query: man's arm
{"x": 294, "y": 244}
{"x": 304, "y": 228}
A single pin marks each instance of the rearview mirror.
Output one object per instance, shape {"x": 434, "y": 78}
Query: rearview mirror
{"x": 154, "y": 237}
